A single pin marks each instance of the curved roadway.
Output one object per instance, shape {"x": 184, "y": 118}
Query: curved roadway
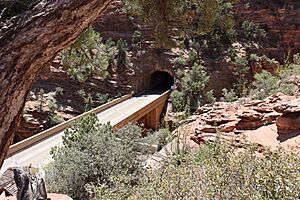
{"x": 39, "y": 154}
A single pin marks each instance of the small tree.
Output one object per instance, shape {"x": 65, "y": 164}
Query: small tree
{"x": 87, "y": 99}
{"x": 178, "y": 101}
{"x": 41, "y": 99}
{"x": 136, "y": 40}
{"x": 229, "y": 95}
{"x": 122, "y": 61}
{"x": 92, "y": 156}
{"x": 87, "y": 56}
{"x": 194, "y": 83}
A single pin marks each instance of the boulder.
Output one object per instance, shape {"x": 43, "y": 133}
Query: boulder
{"x": 289, "y": 121}
{"x": 288, "y": 107}
{"x": 287, "y": 124}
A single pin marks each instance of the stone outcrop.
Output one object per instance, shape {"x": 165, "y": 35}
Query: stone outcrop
{"x": 231, "y": 120}
{"x": 289, "y": 121}
{"x": 19, "y": 183}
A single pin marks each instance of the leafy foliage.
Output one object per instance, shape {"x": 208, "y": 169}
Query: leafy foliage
{"x": 92, "y": 156}
{"x": 217, "y": 171}
{"x": 136, "y": 40}
{"x": 253, "y": 31}
{"x": 209, "y": 97}
{"x": 192, "y": 18}
{"x": 88, "y": 56}
{"x": 160, "y": 138}
{"x": 122, "y": 60}
{"x": 178, "y": 101}
{"x": 215, "y": 15}
{"x": 97, "y": 163}
{"x": 102, "y": 98}
{"x": 266, "y": 84}
{"x": 193, "y": 84}
{"x": 87, "y": 99}
{"x": 41, "y": 99}
{"x": 195, "y": 80}
{"x": 229, "y": 95}
{"x": 164, "y": 13}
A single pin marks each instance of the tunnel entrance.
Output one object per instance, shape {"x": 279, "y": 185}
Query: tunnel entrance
{"x": 161, "y": 80}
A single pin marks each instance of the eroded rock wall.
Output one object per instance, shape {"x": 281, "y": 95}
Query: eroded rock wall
{"x": 117, "y": 24}
{"x": 280, "y": 19}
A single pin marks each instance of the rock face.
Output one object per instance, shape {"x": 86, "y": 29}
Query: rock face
{"x": 289, "y": 121}
{"x": 280, "y": 19}
{"x": 231, "y": 120}
{"x": 117, "y": 24}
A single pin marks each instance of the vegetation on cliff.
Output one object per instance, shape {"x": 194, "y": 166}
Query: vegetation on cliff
{"x": 97, "y": 163}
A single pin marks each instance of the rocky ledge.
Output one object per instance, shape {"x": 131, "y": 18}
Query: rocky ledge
{"x": 289, "y": 121}
{"x": 279, "y": 114}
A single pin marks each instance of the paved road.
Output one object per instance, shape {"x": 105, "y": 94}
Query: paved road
{"x": 39, "y": 154}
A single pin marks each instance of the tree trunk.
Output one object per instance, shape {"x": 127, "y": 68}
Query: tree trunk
{"x": 30, "y": 41}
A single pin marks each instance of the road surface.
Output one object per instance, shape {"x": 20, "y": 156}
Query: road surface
{"x": 39, "y": 154}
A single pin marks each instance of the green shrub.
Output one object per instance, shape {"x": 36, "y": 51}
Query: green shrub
{"x": 41, "y": 99}
{"x": 293, "y": 69}
{"x": 217, "y": 171}
{"x": 88, "y": 56}
{"x": 232, "y": 53}
{"x": 87, "y": 100}
{"x": 229, "y": 95}
{"x": 209, "y": 97}
{"x": 96, "y": 163}
{"x": 159, "y": 138}
{"x": 122, "y": 59}
{"x": 179, "y": 73}
{"x": 178, "y": 101}
{"x": 194, "y": 57}
{"x": 256, "y": 58}
{"x": 92, "y": 155}
{"x": 102, "y": 98}
{"x": 219, "y": 174}
{"x": 253, "y": 31}
{"x": 193, "y": 84}
{"x": 241, "y": 72}
{"x": 266, "y": 84}
{"x": 180, "y": 61}
{"x": 52, "y": 106}
{"x": 54, "y": 119}
{"x": 136, "y": 39}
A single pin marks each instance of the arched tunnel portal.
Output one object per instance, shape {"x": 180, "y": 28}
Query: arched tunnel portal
{"x": 161, "y": 80}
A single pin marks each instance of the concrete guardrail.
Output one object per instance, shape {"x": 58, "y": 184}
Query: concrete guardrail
{"x": 56, "y": 129}
{"x": 140, "y": 113}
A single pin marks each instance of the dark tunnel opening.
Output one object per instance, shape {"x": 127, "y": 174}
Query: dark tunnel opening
{"x": 161, "y": 80}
